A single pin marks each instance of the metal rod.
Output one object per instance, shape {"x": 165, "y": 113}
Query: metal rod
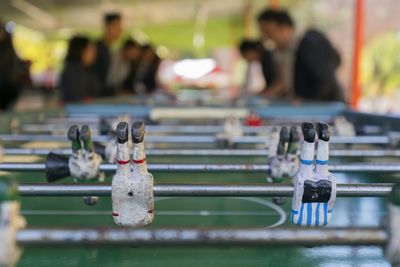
{"x": 211, "y": 152}
{"x": 202, "y": 190}
{"x": 36, "y": 151}
{"x": 45, "y": 137}
{"x": 213, "y": 237}
{"x": 189, "y": 129}
{"x": 108, "y": 167}
{"x": 197, "y": 139}
{"x": 73, "y": 120}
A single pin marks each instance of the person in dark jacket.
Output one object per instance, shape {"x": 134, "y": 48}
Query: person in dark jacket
{"x": 311, "y": 60}
{"x": 124, "y": 67}
{"x": 146, "y": 81}
{"x": 77, "y": 81}
{"x": 101, "y": 67}
{"x": 9, "y": 63}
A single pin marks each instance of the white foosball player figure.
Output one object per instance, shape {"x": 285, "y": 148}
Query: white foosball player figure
{"x": 107, "y": 126}
{"x": 10, "y": 222}
{"x": 232, "y": 130}
{"x": 1, "y": 153}
{"x": 283, "y": 160}
{"x": 83, "y": 164}
{"x": 343, "y": 127}
{"x": 109, "y": 151}
{"x": 392, "y": 248}
{"x": 132, "y": 185}
{"x": 314, "y": 190}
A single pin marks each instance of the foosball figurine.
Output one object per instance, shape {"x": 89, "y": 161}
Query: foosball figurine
{"x": 253, "y": 120}
{"x": 10, "y": 222}
{"x": 284, "y": 161}
{"x": 1, "y": 153}
{"x": 109, "y": 151}
{"x": 132, "y": 185}
{"x": 107, "y": 126}
{"x": 392, "y": 249}
{"x": 314, "y": 190}
{"x": 83, "y": 164}
{"x": 232, "y": 130}
{"x": 343, "y": 127}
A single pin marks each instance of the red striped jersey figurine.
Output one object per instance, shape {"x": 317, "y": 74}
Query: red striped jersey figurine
{"x": 132, "y": 185}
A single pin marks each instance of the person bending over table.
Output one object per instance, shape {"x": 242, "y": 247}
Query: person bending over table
{"x": 308, "y": 61}
{"x": 262, "y": 74}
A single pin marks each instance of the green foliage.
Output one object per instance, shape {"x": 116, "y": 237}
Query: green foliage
{"x": 381, "y": 65}
{"x": 219, "y": 32}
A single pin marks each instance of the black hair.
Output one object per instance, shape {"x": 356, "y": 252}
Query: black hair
{"x": 76, "y": 47}
{"x": 249, "y": 45}
{"x": 111, "y": 17}
{"x": 131, "y": 43}
{"x": 281, "y": 17}
{"x": 147, "y": 46}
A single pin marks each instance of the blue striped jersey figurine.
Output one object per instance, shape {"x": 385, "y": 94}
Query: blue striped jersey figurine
{"x": 314, "y": 189}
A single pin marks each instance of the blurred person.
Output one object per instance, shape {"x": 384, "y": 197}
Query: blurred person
{"x": 77, "y": 81}
{"x": 112, "y": 32}
{"x": 10, "y": 70}
{"x": 146, "y": 75}
{"x": 309, "y": 61}
{"x": 255, "y": 82}
{"x": 261, "y": 76}
{"x": 123, "y": 67}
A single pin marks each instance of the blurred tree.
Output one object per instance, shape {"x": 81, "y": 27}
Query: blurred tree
{"x": 381, "y": 65}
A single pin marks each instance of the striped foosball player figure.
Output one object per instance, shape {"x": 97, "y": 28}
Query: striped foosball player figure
{"x": 314, "y": 189}
{"x": 132, "y": 185}
{"x": 10, "y": 222}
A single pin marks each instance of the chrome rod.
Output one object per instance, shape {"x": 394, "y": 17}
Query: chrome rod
{"x": 195, "y": 139}
{"x": 108, "y": 167}
{"x": 211, "y": 152}
{"x": 202, "y": 190}
{"x": 213, "y": 237}
{"x": 189, "y": 129}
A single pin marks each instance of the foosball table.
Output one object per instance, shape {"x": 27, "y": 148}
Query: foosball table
{"x": 250, "y": 185}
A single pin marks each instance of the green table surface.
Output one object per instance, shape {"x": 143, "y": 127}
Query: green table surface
{"x": 202, "y": 212}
